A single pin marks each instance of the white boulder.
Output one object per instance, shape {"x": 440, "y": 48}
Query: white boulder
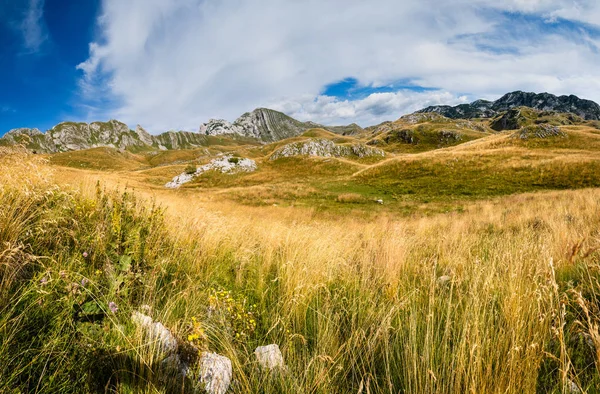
{"x": 215, "y": 373}
{"x": 269, "y": 357}
{"x": 155, "y": 332}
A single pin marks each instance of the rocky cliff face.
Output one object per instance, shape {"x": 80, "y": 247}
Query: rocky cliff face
{"x": 268, "y": 126}
{"x": 586, "y": 109}
{"x": 68, "y": 136}
{"x": 178, "y": 140}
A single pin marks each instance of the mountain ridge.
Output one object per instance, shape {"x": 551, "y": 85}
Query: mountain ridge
{"x": 587, "y": 109}
{"x": 261, "y": 126}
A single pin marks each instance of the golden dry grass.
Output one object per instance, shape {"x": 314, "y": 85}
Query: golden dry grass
{"x": 488, "y": 300}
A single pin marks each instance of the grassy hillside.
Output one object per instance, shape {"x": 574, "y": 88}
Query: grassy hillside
{"x": 425, "y": 132}
{"x": 99, "y": 159}
{"x": 501, "y": 298}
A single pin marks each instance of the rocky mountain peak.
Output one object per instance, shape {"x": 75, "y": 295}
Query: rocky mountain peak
{"x": 267, "y": 125}
{"x": 586, "y": 109}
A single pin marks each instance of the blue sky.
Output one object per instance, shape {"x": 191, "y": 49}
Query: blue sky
{"x": 169, "y": 64}
{"x": 41, "y": 43}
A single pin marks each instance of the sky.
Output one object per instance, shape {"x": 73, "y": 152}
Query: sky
{"x": 175, "y": 64}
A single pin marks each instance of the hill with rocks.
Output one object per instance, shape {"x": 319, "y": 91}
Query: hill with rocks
{"x": 586, "y": 109}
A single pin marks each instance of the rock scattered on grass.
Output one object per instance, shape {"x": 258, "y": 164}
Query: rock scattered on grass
{"x": 539, "y": 131}
{"x": 155, "y": 332}
{"x": 215, "y": 373}
{"x": 572, "y": 388}
{"x": 269, "y": 357}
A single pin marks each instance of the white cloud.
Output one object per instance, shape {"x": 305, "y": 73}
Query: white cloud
{"x": 175, "y": 64}
{"x": 31, "y": 26}
{"x": 373, "y": 109}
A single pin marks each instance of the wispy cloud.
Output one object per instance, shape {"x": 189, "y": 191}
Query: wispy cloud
{"x": 32, "y": 28}
{"x": 170, "y": 64}
{"x": 7, "y": 109}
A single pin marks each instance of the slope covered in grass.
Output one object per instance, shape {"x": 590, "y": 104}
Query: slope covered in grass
{"x": 99, "y": 159}
{"x": 425, "y": 132}
{"x": 513, "y": 162}
{"x": 502, "y": 298}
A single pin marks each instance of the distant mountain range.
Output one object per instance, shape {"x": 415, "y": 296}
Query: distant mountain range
{"x": 586, "y": 109}
{"x": 260, "y": 126}
{"x": 264, "y": 126}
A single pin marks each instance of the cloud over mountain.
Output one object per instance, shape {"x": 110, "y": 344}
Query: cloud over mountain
{"x": 177, "y": 64}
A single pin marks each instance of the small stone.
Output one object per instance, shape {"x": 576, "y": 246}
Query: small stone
{"x": 156, "y": 332}
{"x": 215, "y": 373}
{"x": 572, "y": 387}
{"x": 269, "y": 356}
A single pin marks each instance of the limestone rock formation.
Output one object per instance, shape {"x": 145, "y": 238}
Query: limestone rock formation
{"x": 268, "y": 126}
{"x": 226, "y": 164}
{"x": 538, "y": 132}
{"x": 68, "y": 136}
{"x": 325, "y": 148}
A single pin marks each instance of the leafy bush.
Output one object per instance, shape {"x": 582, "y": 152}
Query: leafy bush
{"x": 190, "y": 169}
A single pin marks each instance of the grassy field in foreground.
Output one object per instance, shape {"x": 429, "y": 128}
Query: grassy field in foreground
{"x": 501, "y": 298}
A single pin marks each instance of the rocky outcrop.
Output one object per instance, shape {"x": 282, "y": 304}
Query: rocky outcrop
{"x": 586, "y": 109}
{"x": 539, "y": 131}
{"x": 17, "y": 135}
{"x": 226, "y": 165}
{"x": 512, "y": 119}
{"x": 268, "y": 126}
{"x": 325, "y": 148}
{"x": 425, "y": 117}
{"x": 179, "y": 140}
{"x": 143, "y": 135}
